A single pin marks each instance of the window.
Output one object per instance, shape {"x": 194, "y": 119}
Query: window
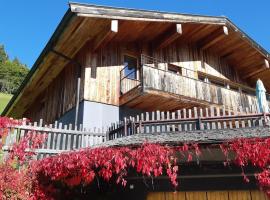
{"x": 203, "y": 78}
{"x": 174, "y": 69}
{"x": 130, "y": 64}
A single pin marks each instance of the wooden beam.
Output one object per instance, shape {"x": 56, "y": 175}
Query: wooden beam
{"x": 254, "y": 73}
{"x": 168, "y": 37}
{"x": 266, "y": 62}
{"x": 103, "y": 38}
{"x": 262, "y": 68}
{"x": 213, "y": 38}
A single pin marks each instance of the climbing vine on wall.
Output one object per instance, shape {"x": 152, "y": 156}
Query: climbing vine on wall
{"x": 110, "y": 164}
{"x": 23, "y": 178}
{"x": 254, "y": 151}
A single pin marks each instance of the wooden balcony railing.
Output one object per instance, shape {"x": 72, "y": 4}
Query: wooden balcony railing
{"x": 184, "y": 120}
{"x": 154, "y": 75}
{"x": 162, "y": 80}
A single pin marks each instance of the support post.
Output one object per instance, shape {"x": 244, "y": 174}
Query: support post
{"x": 199, "y": 123}
{"x": 77, "y": 101}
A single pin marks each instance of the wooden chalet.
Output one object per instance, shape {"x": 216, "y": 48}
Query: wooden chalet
{"x": 160, "y": 73}
{"x": 172, "y": 61}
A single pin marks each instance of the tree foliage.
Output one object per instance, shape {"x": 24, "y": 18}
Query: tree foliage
{"x": 12, "y": 72}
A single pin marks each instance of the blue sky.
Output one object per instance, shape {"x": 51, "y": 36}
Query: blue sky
{"x": 26, "y": 26}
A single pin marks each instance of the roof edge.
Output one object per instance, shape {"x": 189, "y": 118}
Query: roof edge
{"x": 52, "y": 41}
{"x": 90, "y": 10}
{"x": 138, "y": 9}
{"x": 244, "y": 35}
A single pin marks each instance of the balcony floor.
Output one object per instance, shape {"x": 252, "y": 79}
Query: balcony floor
{"x": 151, "y": 100}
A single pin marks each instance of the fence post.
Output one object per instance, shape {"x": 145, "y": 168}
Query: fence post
{"x": 199, "y": 123}
{"x": 133, "y": 125}
{"x": 125, "y": 126}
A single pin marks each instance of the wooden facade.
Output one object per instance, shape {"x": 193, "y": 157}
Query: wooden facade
{"x": 179, "y": 64}
{"x": 58, "y": 98}
{"x": 91, "y": 42}
{"x": 209, "y": 195}
{"x": 101, "y": 79}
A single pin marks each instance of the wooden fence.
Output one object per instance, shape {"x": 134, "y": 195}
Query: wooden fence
{"x": 58, "y": 138}
{"x": 186, "y": 120}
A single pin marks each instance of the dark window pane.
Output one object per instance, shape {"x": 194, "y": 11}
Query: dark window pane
{"x": 130, "y": 67}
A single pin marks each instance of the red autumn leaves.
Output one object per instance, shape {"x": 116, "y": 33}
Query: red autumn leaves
{"x": 255, "y": 151}
{"x": 112, "y": 164}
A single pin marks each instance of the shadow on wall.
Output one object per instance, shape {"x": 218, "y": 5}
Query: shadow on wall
{"x": 69, "y": 117}
{"x": 127, "y": 112}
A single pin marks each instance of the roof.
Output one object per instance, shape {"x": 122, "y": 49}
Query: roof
{"x": 202, "y": 137}
{"x": 90, "y": 10}
{"x": 91, "y": 17}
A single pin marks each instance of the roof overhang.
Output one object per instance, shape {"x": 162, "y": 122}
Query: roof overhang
{"x": 79, "y": 26}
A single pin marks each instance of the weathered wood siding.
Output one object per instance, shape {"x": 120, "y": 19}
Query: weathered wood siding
{"x": 191, "y": 57}
{"x": 102, "y": 72}
{"x": 209, "y": 195}
{"x": 161, "y": 80}
{"x": 59, "y": 97}
{"x": 101, "y": 78}
{"x": 102, "y": 69}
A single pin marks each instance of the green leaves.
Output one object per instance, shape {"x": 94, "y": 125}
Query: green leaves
{"x": 12, "y": 73}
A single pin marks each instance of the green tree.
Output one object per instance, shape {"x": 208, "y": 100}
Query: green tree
{"x": 3, "y": 54}
{"x": 12, "y": 73}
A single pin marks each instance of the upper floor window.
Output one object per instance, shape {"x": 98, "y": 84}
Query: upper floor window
{"x": 130, "y": 64}
{"x": 174, "y": 69}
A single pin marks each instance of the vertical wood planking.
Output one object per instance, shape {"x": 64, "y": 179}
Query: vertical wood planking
{"x": 190, "y": 125}
{"x": 173, "y": 118}
{"x": 212, "y": 114}
{"x": 153, "y": 127}
{"x": 201, "y": 116}
{"x": 185, "y": 127}
{"x": 147, "y": 128}
{"x": 196, "y": 196}
{"x": 218, "y": 115}
{"x": 179, "y": 117}
{"x": 207, "y": 115}
{"x": 65, "y": 138}
{"x": 217, "y": 195}
{"x": 230, "y": 122}
{"x": 60, "y": 137}
{"x": 158, "y": 119}
{"x": 163, "y": 127}
{"x": 50, "y": 138}
{"x": 168, "y": 117}
{"x": 239, "y": 195}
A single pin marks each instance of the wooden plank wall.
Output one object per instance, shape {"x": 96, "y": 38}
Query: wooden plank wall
{"x": 103, "y": 67}
{"x": 190, "y": 57}
{"x": 59, "y": 97}
{"x": 209, "y": 195}
{"x": 101, "y": 72}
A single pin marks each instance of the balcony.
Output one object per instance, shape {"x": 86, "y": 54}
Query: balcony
{"x": 157, "y": 88}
